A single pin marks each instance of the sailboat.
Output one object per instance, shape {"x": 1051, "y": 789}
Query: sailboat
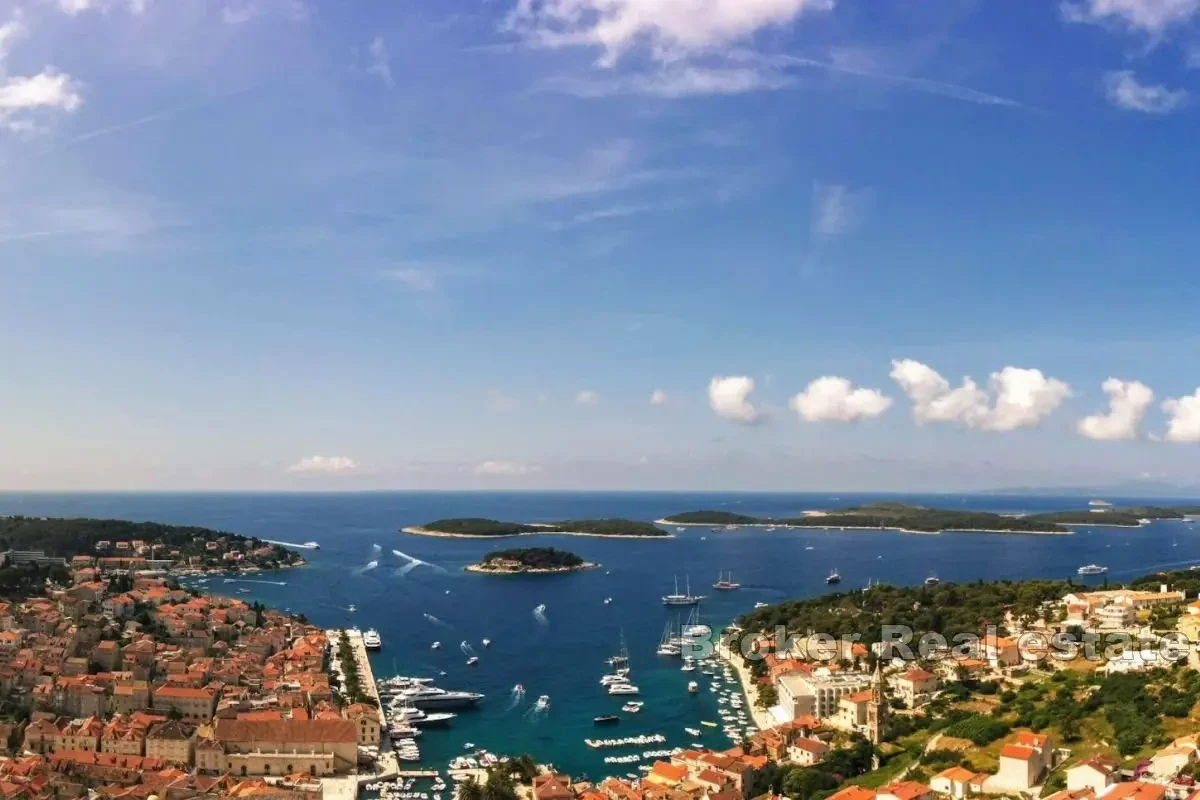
{"x": 678, "y": 599}
{"x": 724, "y": 584}
{"x": 694, "y": 629}
{"x": 669, "y": 644}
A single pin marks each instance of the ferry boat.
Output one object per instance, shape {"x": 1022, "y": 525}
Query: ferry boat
{"x": 932, "y": 580}
{"x": 724, "y": 584}
{"x": 1091, "y": 569}
{"x": 677, "y": 599}
{"x": 371, "y": 640}
{"x": 834, "y": 577}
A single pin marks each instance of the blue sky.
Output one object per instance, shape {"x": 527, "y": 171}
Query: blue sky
{"x": 754, "y": 244}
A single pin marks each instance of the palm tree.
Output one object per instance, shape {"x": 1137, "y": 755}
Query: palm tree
{"x": 470, "y": 790}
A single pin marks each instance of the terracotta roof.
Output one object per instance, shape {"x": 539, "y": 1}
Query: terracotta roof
{"x": 853, "y": 793}
{"x": 1135, "y": 790}
{"x": 814, "y": 746}
{"x": 285, "y": 730}
{"x": 1028, "y": 739}
{"x": 1018, "y": 752}
{"x": 956, "y": 774}
{"x": 669, "y": 771}
{"x": 906, "y": 790}
{"x": 918, "y": 675}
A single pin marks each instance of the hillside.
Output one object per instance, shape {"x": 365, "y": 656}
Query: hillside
{"x": 887, "y": 515}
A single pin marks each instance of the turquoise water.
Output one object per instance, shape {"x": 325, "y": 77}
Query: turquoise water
{"x": 564, "y": 658}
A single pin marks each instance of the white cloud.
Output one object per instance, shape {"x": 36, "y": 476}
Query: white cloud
{"x": 48, "y": 89}
{"x": 673, "y": 30}
{"x": 1183, "y": 424}
{"x": 380, "y": 65}
{"x": 677, "y": 80}
{"x": 500, "y": 402}
{"x": 587, "y": 398}
{"x": 833, "y": 399}
{"x": 10, "y": 32}
{"x": 730, "y": 398}
{"x": 505, "y": 468}
{"x": 419, "y": 279}
{"x": 1153, "y": 17}
{"x": 836, "y": 209}
{"x": 327, "y": 464}
{"x": 74, "y": 7}
{"x": 659, "y": 398}
{"x": 239, "y": 14}
{"x": 1023, "y": 397}
{"x": 1126, "y": 92}
{"x": 1127, "y": 404}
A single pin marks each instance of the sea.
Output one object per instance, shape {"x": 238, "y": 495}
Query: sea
{"x": 414, "y": 590}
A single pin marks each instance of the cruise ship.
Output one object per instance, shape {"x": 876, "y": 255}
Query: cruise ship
{"x": 371, "y": 640}
{"x": 424, "y": 697}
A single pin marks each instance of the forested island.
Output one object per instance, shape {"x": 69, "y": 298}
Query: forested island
{"x": 1130, "y": 517}
{"x": 197, "y": 547}
{"x": 885, "y": 516}
{"x": 478, "y": 526}
{"x": 530, "y": 561}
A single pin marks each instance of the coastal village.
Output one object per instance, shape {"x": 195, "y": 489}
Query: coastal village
{"x": 118, "y": 683}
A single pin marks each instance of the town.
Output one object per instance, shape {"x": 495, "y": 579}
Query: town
{"x": 119, "y": 683}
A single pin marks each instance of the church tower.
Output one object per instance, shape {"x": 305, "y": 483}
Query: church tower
{"x": 878, "y": 713}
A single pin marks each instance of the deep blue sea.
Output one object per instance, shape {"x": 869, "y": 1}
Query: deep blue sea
{"x": 564, "y": 656}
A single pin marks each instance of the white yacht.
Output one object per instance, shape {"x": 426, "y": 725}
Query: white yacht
{"x": 623, "y": 688}
{"x": 543, "y": 703}
{"x": 1092, "y": 569}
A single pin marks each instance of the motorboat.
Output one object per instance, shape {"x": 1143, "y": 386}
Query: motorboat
{"x": 932, "y": 580}
{"x": 472, "y": 661}
{"x": 632, "y": 707}
{"x": 487, "y": 642}
{"x": 761, "y": 604}
{"x": 623, "y": 689}
{"x": 693, "y": 688}
{"x": 834, "y": 577}
{"x": 543, "y": 703}
{"x": 435, "y": 646}
{"x": 606, "y": 719}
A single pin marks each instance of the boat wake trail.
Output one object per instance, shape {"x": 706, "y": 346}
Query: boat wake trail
{"x": 265, "y": 583}
{"x": 539, "y": 615}
{"x": 516, "y": 698}
{"x": 370, "y": 566}
{"x": 436, "y": 621}
{"x": 415, "y": 562}
{"x": 466, "y": 648}
{"x": 297, "y": 545}
{"x": 407, "y": 568}
{"x": 376, "y": 549}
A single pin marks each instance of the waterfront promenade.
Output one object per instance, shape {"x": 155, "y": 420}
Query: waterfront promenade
{"x": 762, "y": 717}
{"x": 387, "y": 766}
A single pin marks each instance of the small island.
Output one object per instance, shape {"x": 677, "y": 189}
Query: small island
{"x": 530, "y": 561}
{"x": 882, "y": 516}
{"x": 1129, "y": 517}
{"x": 470, "y": 527}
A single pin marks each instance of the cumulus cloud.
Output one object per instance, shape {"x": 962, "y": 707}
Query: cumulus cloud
{"x": 509, "y": 468}
{"x": 587, "y": 398}
{"x": 1126, "y": 92}
{"x": 48, "y": 89}
{"x": 673, "y": 30}
{"x": 730, "y": 398}
{"x": 1023, "y": 397}
{"x": 833, "y": 399}
{"x": 837, "y": 209}
{"x": 326, "y": 464}
{"x": 1152, "y": 17}
{"x": 659, "y": 398}
{"x": 380, "y": 63}
{"x": 1127, "y": 404}
{"x": 1183, "y": 423}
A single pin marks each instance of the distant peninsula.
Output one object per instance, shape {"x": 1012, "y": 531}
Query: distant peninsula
{"x": 477, "y": 527}
{"x": 881, "y": 516}
{"x": 530, "y": 561}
